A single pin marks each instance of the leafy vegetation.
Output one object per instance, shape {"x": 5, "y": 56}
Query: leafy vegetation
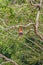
{"x": 28, "y": 48}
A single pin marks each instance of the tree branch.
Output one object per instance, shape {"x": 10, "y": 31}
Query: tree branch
{"x": 7, "y": 59}
{"x": 36, "y": 5}
{"x": 37, "y": 22}
{"x": 17, "y": 26}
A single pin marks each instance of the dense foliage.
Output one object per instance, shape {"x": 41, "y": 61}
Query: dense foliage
{"x": 22, "y": 49}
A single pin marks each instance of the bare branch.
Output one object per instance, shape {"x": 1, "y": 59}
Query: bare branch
{"x": 37, "y": 23}
{"x": 17, "y": 26}
{"x": 36, "y": 5}
{"x": 7, "y": 59}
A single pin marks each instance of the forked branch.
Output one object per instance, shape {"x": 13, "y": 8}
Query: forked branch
{"x": 37, "y": 20}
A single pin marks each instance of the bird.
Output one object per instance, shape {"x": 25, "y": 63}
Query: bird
{"x": 20, "y": 31}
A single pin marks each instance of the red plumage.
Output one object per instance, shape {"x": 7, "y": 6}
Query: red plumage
{"x": 20, "y": 31}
